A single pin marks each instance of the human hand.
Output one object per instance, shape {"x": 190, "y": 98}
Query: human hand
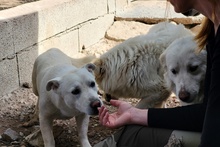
{"x": 119, "y": 118}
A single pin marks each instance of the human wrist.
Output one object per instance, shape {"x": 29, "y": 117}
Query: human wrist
{"x": 139, "y": 116}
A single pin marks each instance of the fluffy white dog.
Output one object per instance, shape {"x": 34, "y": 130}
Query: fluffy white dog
{"x": 133, "y": 69}
{"x": 64, "y": 92}
{"x": 185, "y": 70}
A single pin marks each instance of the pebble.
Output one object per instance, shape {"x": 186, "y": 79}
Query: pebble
{"x": 10, "y": 135}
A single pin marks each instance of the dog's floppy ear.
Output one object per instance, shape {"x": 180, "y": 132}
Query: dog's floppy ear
{"x": 90, "y": 67}
{"x": 99, "y": 70}
{"x": 53, "y": 84}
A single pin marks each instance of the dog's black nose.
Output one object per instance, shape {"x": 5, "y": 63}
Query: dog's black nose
{"x": 191, "y": 12}
{"x": 184, "y": 96}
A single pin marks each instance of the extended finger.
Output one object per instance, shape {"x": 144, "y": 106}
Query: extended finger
{"x": 115, "y": 103}
{"x": 105, "y": 119}
{"x": 101, "y": 109}
{"x": 102, "y": 113}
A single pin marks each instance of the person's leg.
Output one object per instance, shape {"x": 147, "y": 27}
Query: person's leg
{"x": 110, "y": 141}
{"x": 184, "y": 139}
{"x": 137, "y": 136}
{"x": 141, "y": 136}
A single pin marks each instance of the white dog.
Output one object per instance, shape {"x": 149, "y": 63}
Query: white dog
{"x": 64, "y": 92}
{"x": 133, "y": 69}
{"x": 185, "y": 70}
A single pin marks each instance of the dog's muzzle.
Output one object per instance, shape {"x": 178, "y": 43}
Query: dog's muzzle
{"x": 184, "y": 95}
{"x": 94, "y": 106}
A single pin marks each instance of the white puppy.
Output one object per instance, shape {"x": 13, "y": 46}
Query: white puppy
{"x": 64, "y": 92}
{"x": 185, "y": 70}
{"x": 132, "y": 68}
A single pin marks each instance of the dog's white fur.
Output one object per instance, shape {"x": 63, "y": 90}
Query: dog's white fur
{"x": 185, "y": 70}
{"x": 64, "y": 92}
{"x": 133, "y": 69}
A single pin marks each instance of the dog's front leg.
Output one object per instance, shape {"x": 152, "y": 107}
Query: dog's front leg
{"x": 46, "y": 127}
{"x": 82, "y": 122}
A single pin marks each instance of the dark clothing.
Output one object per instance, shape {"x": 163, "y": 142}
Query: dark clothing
{"x": 138, "y": 136}
{"x": 211, "y": 128}
{"x": 203, "y": 117}
{"x": 141, "y": 136}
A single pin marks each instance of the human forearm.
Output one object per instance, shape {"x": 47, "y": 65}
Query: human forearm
{"x": 139, "y": 116}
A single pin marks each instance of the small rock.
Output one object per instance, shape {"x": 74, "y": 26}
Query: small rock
{"x": 21, "y": 133}
{"x": 26, "y": 85}
{"x": 15, "y": 143}
{"x": 10, "y": 135}
{"x": 35, "y": 139}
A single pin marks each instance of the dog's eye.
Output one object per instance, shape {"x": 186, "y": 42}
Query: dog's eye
{"x": 76, "y": 91}
{"x": 173, "y": 71}
{"x": 92, "y": 84}
{"x": 193, "y": 68}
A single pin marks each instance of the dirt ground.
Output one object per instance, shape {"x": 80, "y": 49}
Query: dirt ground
{"x": 17, "y": 107}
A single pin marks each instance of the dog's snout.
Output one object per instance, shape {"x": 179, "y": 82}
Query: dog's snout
{"x": 184, "y": 95}
{"x": 94, "y": 107}
{"x": 95, "y": 104}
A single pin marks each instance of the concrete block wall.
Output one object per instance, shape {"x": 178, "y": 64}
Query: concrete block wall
{"x": 30, "y": 29}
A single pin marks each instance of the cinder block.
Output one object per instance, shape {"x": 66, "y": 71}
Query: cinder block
{"x": 8, "y": 76}
{"x": 121, "y": 4}
{"x": 58, "y": 18}
{"x": 66, "y": 41}
{"x": 25, "y": 64}
{"x": 52, "y": 20}
{"x": 111, "y": 6}
{"x": 25, "y": 31}
{"x": 92, "y": 31}
{"x": 84, "y": 10}
{"x": 6, "y": 38}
